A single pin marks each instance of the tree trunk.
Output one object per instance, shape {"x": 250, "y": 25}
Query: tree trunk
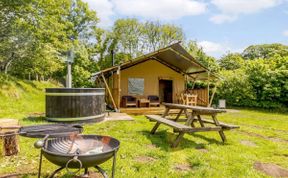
{"x": 6, "y": 67}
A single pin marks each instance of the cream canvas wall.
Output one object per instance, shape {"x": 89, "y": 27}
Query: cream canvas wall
{"x": 152, "y": 71}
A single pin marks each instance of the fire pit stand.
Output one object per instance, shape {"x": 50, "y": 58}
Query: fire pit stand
{"x": 77, "y": 152}
{"x": 85, "y": 169}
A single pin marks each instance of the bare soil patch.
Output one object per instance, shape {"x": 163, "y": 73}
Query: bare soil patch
{"x": 248, "y": 143}
{"x": 201, "y": 148}
{"x": 273, "y": 139}
{"x": 144, "y": 159}
{"x": 182, "y": 167}
{"x": 151, "y": 146}
{"x": 271, "y": 169}
{"x": 91, "y": 175}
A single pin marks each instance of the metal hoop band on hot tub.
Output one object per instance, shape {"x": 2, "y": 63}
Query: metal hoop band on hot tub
{"x": 74, "y": 94}
{"x": 77, "y": 118}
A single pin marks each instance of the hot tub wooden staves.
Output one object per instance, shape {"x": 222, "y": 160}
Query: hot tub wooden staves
{"x": 75, "y": 104}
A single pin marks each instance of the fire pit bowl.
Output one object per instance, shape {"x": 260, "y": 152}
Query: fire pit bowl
{"x": 79, "y": 151}
{"x": 91, "y": 150}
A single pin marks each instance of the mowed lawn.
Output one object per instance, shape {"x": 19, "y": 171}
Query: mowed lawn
{"x": 262, "y": 138}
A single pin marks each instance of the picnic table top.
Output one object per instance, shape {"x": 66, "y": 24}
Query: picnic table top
{"x": 194, "y": 108}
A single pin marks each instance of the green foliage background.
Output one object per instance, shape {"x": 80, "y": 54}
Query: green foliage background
{"x": 259, "y": 81}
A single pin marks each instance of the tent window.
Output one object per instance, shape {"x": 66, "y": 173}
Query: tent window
{"x": 135, "y": 86}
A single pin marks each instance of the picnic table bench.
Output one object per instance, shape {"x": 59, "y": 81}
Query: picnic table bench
{"x": 195, "y": 115}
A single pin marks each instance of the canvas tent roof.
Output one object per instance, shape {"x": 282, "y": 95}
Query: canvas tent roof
{"x": 174, "y": 57}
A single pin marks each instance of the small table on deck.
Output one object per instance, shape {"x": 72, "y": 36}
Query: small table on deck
{"x": 189, "y": 127}
{"x": 142, "y": 102}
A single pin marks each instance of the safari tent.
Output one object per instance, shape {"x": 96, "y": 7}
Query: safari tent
{"x": 162, "y": 73}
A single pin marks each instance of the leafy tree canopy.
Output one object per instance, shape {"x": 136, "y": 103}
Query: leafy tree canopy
{"x": 265, "y": 51}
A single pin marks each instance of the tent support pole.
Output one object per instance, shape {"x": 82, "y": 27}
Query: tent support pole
{"x": 212, "y": 96}
{"x": 109, "y": 92}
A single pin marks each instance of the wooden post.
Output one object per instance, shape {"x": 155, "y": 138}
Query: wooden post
{"x": 208, "y": 88}
{"x": 211, "y": 99}
{"x": 119, "y": 87}
{"x": 109, "y": 92}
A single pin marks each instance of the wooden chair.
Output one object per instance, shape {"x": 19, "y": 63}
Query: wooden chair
{"x": 191, "y": 99}
{"x": 129, "y": 101}
{"x": 154, "y": 100}
{"x": 188, "y": 99}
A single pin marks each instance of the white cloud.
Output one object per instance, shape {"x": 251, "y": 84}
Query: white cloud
{"x": 221, "y": 18}
{"x": 285, "y": 33}
{"x": 160, "y": 9}
{"x": 234, "y": 8}
{"x": 212, "y": 47}
{"x": 217, "y": 49}
{"x": 104, "y": 9}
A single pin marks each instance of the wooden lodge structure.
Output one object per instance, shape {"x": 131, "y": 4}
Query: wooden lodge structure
{"x": 162, "y": 73}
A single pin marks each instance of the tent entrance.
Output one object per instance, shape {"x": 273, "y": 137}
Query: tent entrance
{"x": 166, "y": 91}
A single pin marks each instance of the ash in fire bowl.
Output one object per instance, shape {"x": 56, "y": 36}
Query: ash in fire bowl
{"x": 77, "y": 145}
{"x": 81, "y": 145}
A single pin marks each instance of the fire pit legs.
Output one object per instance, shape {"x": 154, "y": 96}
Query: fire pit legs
{"x": 40, "y": 164}
{"x": 56, "y": 171}
{"x": 101, "y": 171}
{"x": 114, "y": 163}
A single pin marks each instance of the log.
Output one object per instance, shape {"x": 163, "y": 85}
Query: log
{"x": 8, "y": 137}
{"x": 10, "y": 144}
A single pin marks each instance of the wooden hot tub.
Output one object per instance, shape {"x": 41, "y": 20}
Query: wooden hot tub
{"x": 75, "y": 104}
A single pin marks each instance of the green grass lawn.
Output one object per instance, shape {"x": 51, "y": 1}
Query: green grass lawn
{"x": 145, "y": 155}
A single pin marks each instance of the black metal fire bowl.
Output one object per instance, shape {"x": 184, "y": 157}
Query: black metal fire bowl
{"x": 78, "y": 151}
{"x": 91, "y": 150}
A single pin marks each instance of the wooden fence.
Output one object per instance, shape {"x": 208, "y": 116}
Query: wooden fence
{"x": 202, "y": 96}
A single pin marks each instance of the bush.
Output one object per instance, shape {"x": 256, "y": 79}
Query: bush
{"x": 259, "y": 83}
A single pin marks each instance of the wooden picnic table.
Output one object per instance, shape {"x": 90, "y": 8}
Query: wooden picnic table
{"x": 193, "y": 114}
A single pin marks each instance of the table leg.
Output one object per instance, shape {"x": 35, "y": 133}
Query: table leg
{"x": 200, "y": 121}
{"x": 190, "y": 120}
{"x": 165, "y": 112}
{"x": 178, "y": 115}
{"x": 177, "y": 140}
{"x": 221, "y": 133}
{"x": 155, "y": 128}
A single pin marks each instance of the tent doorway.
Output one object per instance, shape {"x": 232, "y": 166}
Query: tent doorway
{"x": 166, "y": 91}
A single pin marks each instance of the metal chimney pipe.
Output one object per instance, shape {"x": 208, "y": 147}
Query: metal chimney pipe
{"x": 113, "y": 57}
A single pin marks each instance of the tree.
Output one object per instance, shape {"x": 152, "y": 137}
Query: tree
{"x": 231, "y": 61}
{"x": 40, "y": 33}
{"x": 198, "y": 53}
{"x": 265, "y": 51}
{"x": 127, "y": 34}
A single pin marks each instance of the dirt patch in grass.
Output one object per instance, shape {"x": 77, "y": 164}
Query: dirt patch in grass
{"x": 144, "y": 159}
{"x": 91, "y": 175}
{"x": 151, "y": 146}
{"x": 271, "y": 169}
{"x": 182, "y": 167}
{"x": 248, "y": 143}
{"x": 273, "y": 139}
{"x": 201, "y": 148}
{"x": 17, "y": 175}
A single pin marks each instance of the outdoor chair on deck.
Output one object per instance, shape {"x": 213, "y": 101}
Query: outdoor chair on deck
{"x": 129, "y": 101}
{"x": 154, "y": 100}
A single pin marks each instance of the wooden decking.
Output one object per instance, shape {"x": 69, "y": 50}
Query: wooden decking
{"x": 146, "y": 110}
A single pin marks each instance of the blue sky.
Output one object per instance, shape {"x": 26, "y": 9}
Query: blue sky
{"x": 217, "y": 25}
